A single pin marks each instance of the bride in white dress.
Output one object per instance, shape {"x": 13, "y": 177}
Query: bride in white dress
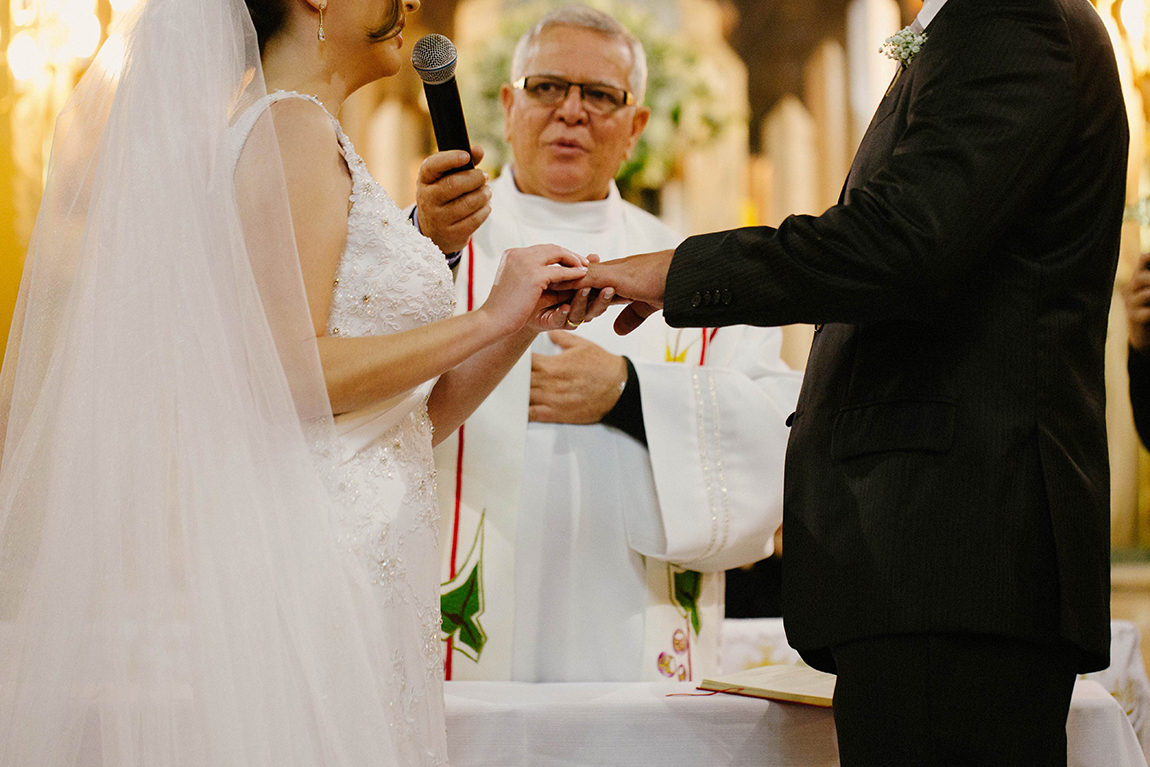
{"x": 199, "y": 564}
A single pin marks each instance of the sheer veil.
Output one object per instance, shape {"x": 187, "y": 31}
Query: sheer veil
{"x": 171, "y": 590}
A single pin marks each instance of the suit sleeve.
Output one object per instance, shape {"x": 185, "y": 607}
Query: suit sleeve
{"x": 717, "y": 437}
{"x": 989, "y": 117}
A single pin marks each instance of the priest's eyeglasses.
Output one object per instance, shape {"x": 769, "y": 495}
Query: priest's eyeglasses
{"x": 552, "y": 91}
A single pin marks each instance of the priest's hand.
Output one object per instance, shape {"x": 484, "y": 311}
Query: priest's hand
{"x": 451, "y": 203}
{"x": 639, "y": 281}
{"x": 1137, "y": 295}
{"x": 579, "y": 385}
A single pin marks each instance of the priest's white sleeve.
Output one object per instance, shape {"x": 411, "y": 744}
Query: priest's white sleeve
{"x": 717, "y": 437}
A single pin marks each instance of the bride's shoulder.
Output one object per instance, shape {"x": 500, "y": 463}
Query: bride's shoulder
{"x": 309, "y": 147}
{"x": 304, "y": 129}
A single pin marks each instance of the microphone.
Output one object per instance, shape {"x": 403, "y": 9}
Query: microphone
{"x": 434, "y": 59}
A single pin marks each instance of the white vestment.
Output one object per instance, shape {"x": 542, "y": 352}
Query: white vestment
{"x": 571, "y": 552}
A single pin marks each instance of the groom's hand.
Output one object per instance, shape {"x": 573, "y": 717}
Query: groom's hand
{"x": 640, "y": 281}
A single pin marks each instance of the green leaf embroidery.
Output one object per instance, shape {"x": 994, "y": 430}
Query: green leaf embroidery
{"x": 461, "y": 600}
{"x": 460, "y": 608}
{"x": 688, "y": 586}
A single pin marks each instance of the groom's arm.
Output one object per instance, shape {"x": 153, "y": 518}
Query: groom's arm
{"x": 990, "y": 116}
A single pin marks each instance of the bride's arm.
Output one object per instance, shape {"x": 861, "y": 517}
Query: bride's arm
{"x": 461, "y": 390}
{"x": 472, "y": 351}
{"x": 362, "y": 371}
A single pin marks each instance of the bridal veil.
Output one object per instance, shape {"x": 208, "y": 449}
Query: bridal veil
{"x": 171, "y": 591}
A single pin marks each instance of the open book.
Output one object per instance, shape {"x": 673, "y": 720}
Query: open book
{"x": 798, "y": 684}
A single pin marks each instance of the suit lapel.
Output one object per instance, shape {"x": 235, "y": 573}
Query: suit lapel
{"x": 875, "y": 141}
{"x": 879, "y": 139}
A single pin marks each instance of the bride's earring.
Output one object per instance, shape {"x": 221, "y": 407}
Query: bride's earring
{"x": 322, "y": 8}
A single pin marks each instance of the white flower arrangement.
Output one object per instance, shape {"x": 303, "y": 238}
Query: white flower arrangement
{"x": 682, "y": 93}
{"x": 903, "y": 45}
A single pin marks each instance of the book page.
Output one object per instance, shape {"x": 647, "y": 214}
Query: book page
{"x": 798, "y": 684}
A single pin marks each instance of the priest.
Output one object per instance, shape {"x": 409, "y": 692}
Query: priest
{"x": 592, "y": 503}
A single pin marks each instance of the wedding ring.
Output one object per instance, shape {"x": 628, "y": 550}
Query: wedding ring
{"x": 571, "y": 324}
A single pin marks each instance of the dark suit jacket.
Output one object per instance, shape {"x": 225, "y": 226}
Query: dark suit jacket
{"x": 947, "y": 468}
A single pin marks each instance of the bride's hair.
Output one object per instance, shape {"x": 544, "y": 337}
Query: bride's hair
{"x": 269, "y": 17}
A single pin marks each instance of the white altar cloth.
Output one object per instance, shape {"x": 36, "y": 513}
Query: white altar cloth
{"x": 751, "y": 642}
{"x": 508, "y": 724}
{"x": 1098, "y": 732}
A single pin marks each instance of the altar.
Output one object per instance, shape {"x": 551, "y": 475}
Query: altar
{"x": 669, "y": 724}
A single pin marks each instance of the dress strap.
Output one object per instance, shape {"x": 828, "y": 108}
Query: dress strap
{"x": 243, "y": 126}
{"x": 275, "y": 96}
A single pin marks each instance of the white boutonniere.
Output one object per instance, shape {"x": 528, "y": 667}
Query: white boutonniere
{"x": 903, "y": 45}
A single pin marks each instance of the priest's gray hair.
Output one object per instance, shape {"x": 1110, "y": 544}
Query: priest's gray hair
{"x": 585, "y": 17}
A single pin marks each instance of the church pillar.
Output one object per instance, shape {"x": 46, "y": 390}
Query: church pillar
{"x": 716, "y": 186}
{"x": 869, "y": 23}
{"x": 761, "y": 177}
{"x": 790, "y": 140}
{"x": 825, "y": 96}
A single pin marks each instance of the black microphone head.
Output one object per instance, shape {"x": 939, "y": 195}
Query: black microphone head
{"x": 434, "y": 59}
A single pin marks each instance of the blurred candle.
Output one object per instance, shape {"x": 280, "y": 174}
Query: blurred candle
{"x": 25, "y": 59}
{"x": 83, "y": 35}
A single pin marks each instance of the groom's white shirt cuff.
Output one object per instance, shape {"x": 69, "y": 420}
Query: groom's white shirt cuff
{"x": 929, "y": 10}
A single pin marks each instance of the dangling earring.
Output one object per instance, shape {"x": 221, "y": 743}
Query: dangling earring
{"x": 322, "y": 8}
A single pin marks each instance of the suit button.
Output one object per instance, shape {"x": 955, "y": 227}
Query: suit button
{"x": 706, "y": 298}
{"x": 696, "y": 300}
{"x": 726, "y": 298}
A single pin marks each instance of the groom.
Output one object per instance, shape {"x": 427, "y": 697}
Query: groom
{"x": 946, "y": 495}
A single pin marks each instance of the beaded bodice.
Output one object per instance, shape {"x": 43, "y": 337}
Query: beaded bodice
{"x": 390, "y": 279}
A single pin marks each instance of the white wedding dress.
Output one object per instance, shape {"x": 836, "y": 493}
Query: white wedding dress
{"x": 199, "y": 566}
{"x": 390, "y": 279}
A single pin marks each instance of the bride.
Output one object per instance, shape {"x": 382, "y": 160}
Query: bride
{"x": 199, "y": 563}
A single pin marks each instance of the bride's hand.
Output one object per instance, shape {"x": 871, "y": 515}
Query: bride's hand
{"x": 521, "y": 295}
{"x": 586, "y": 303}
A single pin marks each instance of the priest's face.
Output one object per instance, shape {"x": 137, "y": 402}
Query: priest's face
{"x": 570, "y": 150}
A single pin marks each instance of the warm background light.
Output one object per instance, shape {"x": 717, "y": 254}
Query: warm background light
{"x": 60, "y": 35}
{"x": 1132, "y": 14}
{"x": 24, "y": 57}
{"x": 84, "y": 33}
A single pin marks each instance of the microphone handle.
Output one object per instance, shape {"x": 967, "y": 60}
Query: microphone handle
{"x": 447, "y": 117}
